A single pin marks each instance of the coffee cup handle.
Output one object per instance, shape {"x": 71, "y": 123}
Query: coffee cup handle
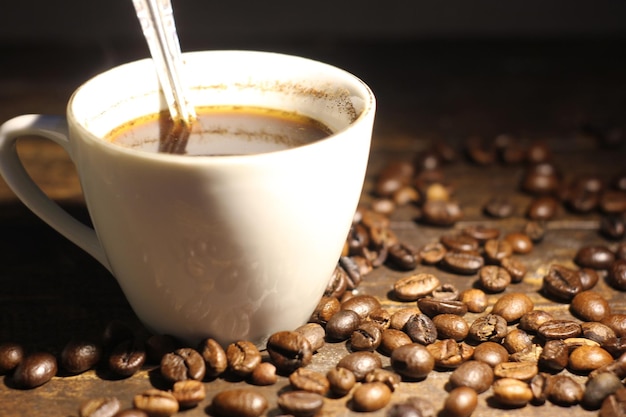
{"x": 12, "y": 170}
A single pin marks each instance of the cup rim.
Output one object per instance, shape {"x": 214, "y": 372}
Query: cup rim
{"x": 369, "y": 109}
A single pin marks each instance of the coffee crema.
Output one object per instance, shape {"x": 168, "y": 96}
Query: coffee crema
{"x": 220, "y": 131}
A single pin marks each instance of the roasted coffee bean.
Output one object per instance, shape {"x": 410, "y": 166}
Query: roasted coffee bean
{"x": 581, "y": 200}
{"x": 614, "y": 405}
{"x": 432, "y": 307}
{"x": 367, "y": 336}
{"x": 358, "y": 238}
{"x": 542, "y": 208}
{"x": 389, "y": 378}
{"x": 530, "y": 354}
{"x": 79, "y": 356}
{"x": 380, "y": 317}
{"x": 353, "y": 273}
{"x": 617, "y": 275}
{"x": 239, "y": 402}
{"x": 342, "y": 324}
{"x": 425, "y": 407}
{"x": 600, "y": 387}
{"x": 597, "y": 332}
{"x": 441, "y": 212}
{"x": 392, "y": 339}
{"x": 360, "y": 363}
{"x": 465, "y": 263}
{"x": 127, "y": 357}
{"x": 402, "y": 256}
{"x": 432, "y": 253}
{"x": 214, "y": 357}
{"x": 383, "y": 205}
{"x": 562, "y": 282}
{"x": 491, "y": 327}
{"x": 481, "y": 233}
{"x": 156, "y": 403}
{"x": 189, "y": 393}
{"x": 480, "y": 151}
{"x": 400, "y": 317}
{"x": 460, "y": 402}
{"x": 541, "y": 178}
{"x": 512, "y": 306}
{"x": 158, "y": 345}
{"x": 412, "y": 361}
{"x": 300, "y": 403}
{"x": 554, "y": 356}
{"x": 520, "y": 242}
{"x": 242, "y": 357}
{"x": 613, "y": 226}
{"x": 405, "y": 195}
{"x": 594, "y": 256}
{"x": 393, "y": 176}
{"x": 473, "y": 374}
{"x": 412, "y": 287}
{"x": 445, "y": 292}
{"x": 326, "y": 308}
{"x": 338, "y": 283}
{"x": 512, "y": 392}
{"x": 516, "y": 269}
{"x": 590, "y": 306}
{"x": 613, "y": 201}
{"x": 576, "y": 342}
{"x": 497, "y": 250}
{"x": 314, "y": 333}
{"x": 362, "y": 304}
{"x": 289, "y": 350}
{"x": 499, "y": 207}
{"x": 517, "y": 340}
{"x": 540, "y": 387}
{"x": 451, "y": 326}
{"x": 449, "y": 354}
{"x": 341, "y": 381}
{"x": 403, "y": 410}
{"x": 491, "y": 353}
{"x": 588, "y": 278}
{"x": 493, "y": 278}
{"x": 617, "y": 322}
{"x": 559, "y": 329}
{"x": 264, "y": 374}
{"x": 532, "y": 320}
{"x": 100, "y": 407}
{"x": 474, "y": 299}
{"x": 11, "y": 354}
{"x": 459, "y": 242}
{"x": 524, "y": 371}
{"x": 587, "y": 358}
{"x": 371, "y": 396}
{"x": 183, "y": 364}
{"x": 535, "y": 230}
{"x": 564, "y": 390}
{"x": 309, "y": 380}
{"x": 421, "y": 329}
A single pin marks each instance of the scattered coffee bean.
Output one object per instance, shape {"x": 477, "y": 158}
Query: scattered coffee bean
{"x": 127, "y": 357}
{"x": 516, "y": 269}
{"x": 597, "y": 332}
{"x": 239, "y": 402}
{"x": 451, "y": 326}
{"x": 367, "y": 336}
{"x": 314, "y": 333}
{"x": 300, "y": 403}
{"x": 463, "y": 262}
{"x": 535, "y": 230}
{"x": 474, "y": 299}
{"x": 326, "y": 308}
{"x": 242, "y": 357}
{"x": 600, "y": 387}
{"x": 34, "y": 370}
{"x": 100, "y": 407}
{"x": 289, "y": 350}
{"x": 432, "y": 253}
{"x": 309, "y": 380}
{"x": 497, "y": 250}
{"x": 491, "y": 327}
{"x": 389, "y": 378}
{"x": 445, "y": 292}
{"x": 562, "y": 283}
{"x": 482, "y": 233}
{"x": 512, "y": 392}
{"x": 614, "y": 405}
{"x": 449, "y": 354}
{"x": 617, "y": 275}
{"x": 460, "y": 402}
{"x": 473, "y": 374}
{"x": 554, "y": 356}
{"x": 400, "y": 317}
{"x": 413, "y": 361}
{"x": 415, "y": 286}
{"x": 79, "y": 356}
{"x": 491, "y": 353}
{"x": 189, "y": 393}
{"x": 432, "y": 307}
{"x": 363, "y": 305}
{"x": 499, "y": 207}
{"x": 402, "y": 256}
{"x": 341, "y": 381}
{"x": 564, "y": 390}
{"x": 559, "y": 329}
{"x": 512, "y": 306}
{"x": 532, "y": 320}
{"x": 156, "y": 403}
{"x": 342, "y": 324}
{"x": 517, "y": 340}
{"x": 421, "y": 329}
{"x": 441, "y": 213}
{"x": 594, "y": 256}
{"x": 617, "y": 322}
{"x": 264, "y": 374}
{"x": 542, "y": 208}
{"x": 371, "y": 396}
{"x": 183, "y": 364}
{"x": 493, "y": 278}
{"x": 214, "y": 357}
{"x": 459, "y": 242}
{"x": 11, "y": 354}
{"x": 524, "y": 371}
{"x": 360, "y": 363}
{"x": 587, "y": 358}
{"x": 590, "y": 306}
{"x": 391, "y": 339}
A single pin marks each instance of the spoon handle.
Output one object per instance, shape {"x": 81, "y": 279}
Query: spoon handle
{"x": 157, "y": 22}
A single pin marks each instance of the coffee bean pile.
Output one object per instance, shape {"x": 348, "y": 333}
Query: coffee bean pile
{"x": 518, "y": 352}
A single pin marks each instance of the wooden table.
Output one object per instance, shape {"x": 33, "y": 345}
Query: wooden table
{"x": 51, "y": 291}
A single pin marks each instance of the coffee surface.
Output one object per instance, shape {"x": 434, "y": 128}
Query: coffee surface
{"x": 220, "y": 130}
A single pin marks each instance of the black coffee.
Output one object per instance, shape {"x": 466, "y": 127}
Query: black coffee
{"x": 220, "y": 130}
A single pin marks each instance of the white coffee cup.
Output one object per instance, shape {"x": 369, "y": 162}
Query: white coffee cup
{"x": 228, "y": 247}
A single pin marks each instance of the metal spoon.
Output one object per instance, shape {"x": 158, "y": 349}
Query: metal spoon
{"x": 157, "y": 21}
